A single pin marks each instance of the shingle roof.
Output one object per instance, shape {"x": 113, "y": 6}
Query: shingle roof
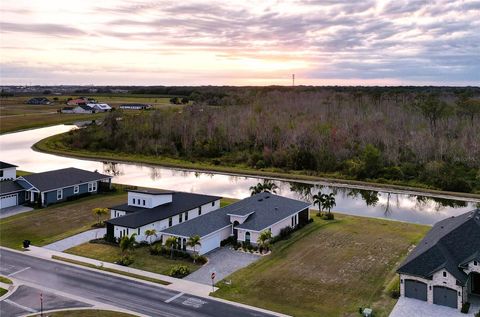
{"x": 139, "y": 216}
{"x": 267, "y": 209}
{"x": 9, "y": 187}
{"x": 6, "y": 165}
{"x": 62, "y": 178}
{"x": 448, "y": 245}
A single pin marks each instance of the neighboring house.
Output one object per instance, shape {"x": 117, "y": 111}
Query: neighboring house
{"x": 135, "y": 106}
{"x": 59, "y": 185}
{"x": 444, "y": 269}
{"x": 83, "y": 109}
{"x": 78, "y": 101}
{"x": 99, "y": 107}
{"x": 156, "y": 209}
{"x": 7, "y": 171}
{"x": 68, "y": 110}
{"x": 38, "y": 101}
{"x": 245, "y": 220}
{"x": 11, "y": 194}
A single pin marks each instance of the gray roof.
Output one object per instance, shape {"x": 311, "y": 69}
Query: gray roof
{"x": 62, "y": 178}
{"x": 9, "y": 187}
{"x": 140, "y": 216}
{"x": 152, "y": 191}
{"x": 6, "y": 165}
{"x": 267, "y": 209}
{"x": 450, "y": 244}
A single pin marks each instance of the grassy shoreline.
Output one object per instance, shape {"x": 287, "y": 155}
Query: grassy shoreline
{"x": 53, "y": 145}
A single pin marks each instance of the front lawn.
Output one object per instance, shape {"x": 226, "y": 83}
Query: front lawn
{"x": 47, "y": 225}
{"x": 143, "y": 259}
{"x": 327, "y": 268}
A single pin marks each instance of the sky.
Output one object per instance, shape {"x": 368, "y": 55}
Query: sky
{"x": 329, "y": 42}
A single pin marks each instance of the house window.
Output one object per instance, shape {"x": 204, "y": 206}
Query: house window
{"x": 138, "y": 231}
{"x": 94, "y": 186}
{"x": 475, "y": 263}
{"x": 59, "y": 194}
{"x": 170, "y": 220}
{"x": 247, "y": 237}
{"x": 444, "y": 274}
{"x": 1, "y": 173}
{"x": 213, "y": 203}
{"x": 200, "y": 210}
{"x": 134, "y": 201}
{"x": 186, "y": 216}
{"x": 180, "y": 217}
{"x": 76, "y": 189}
{"x": 144, "y": 202}
{"x": 90, "y": 187}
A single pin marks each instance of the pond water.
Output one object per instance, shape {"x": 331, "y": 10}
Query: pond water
{"x": 15, "y": 148}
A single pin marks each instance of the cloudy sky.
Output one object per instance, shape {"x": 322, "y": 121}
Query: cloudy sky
{"x": 329, "y": 42}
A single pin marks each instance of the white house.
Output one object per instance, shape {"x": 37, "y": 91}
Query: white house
{"x": 7, "y": 171}
{"x": 444, "y": 269}
{"x": 99, "y": 107}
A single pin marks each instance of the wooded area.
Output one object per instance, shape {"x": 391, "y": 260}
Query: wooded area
{"x": 411, "y": 135}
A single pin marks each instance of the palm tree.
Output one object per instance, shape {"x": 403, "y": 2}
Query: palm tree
{"x": 266, "y": 186}
{"x": 192, "y": 242}
{"x": 329, "y": 202}
{"x": 150, "y": 233}
{"x": 171, "y": 243}
{"x": 99, "y": 212}
{"x": 128, "y": 243}
{"x": 263, "y": 239}
{"x": 319, "y": 199}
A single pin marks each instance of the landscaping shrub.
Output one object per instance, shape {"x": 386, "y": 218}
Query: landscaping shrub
{"x": 230, "y": 240}
{"x": 179, "y": 271}
{"x": 125, "y": 260}
{"x": 201, "y": 259}
{"x": 328, "y": 216}
{"x": 465, "y": 307}
{"x": 104, "y": 241}
{"x": 393, "y": 288}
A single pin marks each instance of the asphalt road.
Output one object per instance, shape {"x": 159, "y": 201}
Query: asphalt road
{"x": 117, "y": 291}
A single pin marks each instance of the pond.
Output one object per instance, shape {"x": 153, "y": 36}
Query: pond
{"x": 15, "y": 148}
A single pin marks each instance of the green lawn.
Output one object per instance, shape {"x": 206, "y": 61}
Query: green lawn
{"x": 5, "y": 280}
{"x": 44, "y": 226}
{"x": 3, "y": 291}
{"x": 88, "y": 313}
{"x": 327, "y": 268}
{"x": 143, "y": 259}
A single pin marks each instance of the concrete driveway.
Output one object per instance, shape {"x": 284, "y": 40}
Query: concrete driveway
{"x": 409, "y": 307}
{"x": 224, "y": 261}
{"x": 77, "y": 239}
{"x": 14, "y": 210}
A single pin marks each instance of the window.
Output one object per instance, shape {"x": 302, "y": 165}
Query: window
{"x": 144, "y": 202}
{"x": 94, "y": 186}
{"x": 186, "y": 216}
{"x": 90, "y": 187}
{"x": 180, "y": 217}
{"x": 134, "y": 201}
{"x": 475, "y": 263}
{"x": 59, "y": 194}
{"x": 170, "y": 220}
{"x": 247, "y": 237}
{"x": 213, "y": 203}
{"x": 200, "y": 210}
{"x": 76, "y": 189}
{"x": 444, "y": 274}
{"x": 138, "y": 231}
{"x": 1, "y": 173}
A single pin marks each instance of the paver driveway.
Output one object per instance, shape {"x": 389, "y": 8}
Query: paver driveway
{"x": 409, "y": 307}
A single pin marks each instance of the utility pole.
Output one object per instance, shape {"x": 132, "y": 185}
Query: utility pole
{"x": 293, "y": 79}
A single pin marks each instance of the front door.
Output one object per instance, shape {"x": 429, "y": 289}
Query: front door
{"x": 475, "y": 283}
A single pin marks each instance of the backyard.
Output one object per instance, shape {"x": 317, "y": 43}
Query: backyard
{"x": 327, "y": 268}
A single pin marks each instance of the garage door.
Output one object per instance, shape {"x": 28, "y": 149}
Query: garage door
{"x": 445, "y": 296}
{"x": 416, "y": 289}
{"x": 8, "y": 201}
{"x": 210, "y": 243}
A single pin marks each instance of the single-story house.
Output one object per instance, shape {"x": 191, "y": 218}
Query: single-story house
{"x": 59, "y": 185}
{"x": 68, "y": 110}
{"x": 444, "y": 269}
{"x": 135, "y": 106}
{"x": 38, "y": 101}
{"x": 83, "y": 109}
{"x": 244, "y": 220}
{"x": 156, "y": 209}
{"x": 99, "y": 107}
{"x": 7, "y": 171}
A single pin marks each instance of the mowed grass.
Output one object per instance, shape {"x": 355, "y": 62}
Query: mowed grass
{"x": 47, "y": 225}
{"x": 143, "y": 259}
{"x": 3, "y": 291}
{"x": 88, "y": 313}
{"x": 327, "y": 268}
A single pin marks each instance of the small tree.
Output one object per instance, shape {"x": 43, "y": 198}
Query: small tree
{"x": 193, "y": 242}
{"x": 99, "y": 213}
{"x": 150, "y": 233}
{"x": 319, "y": 200}
{"x": 171, "y": 243}
{"x": 329, "y": 202}
{"x": 128, "y": 243}
{"x": 264, "y": 238}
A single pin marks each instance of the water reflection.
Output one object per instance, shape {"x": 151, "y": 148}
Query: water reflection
{"x": 15, "y": 148}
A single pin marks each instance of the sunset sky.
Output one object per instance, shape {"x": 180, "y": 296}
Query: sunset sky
{"x": 240, "y": 42}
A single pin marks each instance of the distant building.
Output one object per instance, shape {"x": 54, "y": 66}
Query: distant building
{"x": 83, "y": 109}
{"x": 135, "y": 106}
{"x": 38, "y": 101}
{"x": 99, "y": 107}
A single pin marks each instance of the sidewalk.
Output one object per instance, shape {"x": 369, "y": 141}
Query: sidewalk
{"x": 77, "y": 239}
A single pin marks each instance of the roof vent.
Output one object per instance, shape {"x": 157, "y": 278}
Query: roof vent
{"x": 260, "y": 199}
{"x": 266, "y": 197}
{"x": 276, "y": 208}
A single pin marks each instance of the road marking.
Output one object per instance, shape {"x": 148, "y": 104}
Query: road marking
{"x": 174, "y": 297}
{"x": 20, "y": 306}
{"x": 194, "y": 302}
{"x": 19, "y": 271}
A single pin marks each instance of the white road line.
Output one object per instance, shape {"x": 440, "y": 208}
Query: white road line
{"x": 174, "y": 297}
{"x": 19, "y": 271}
{"x": 20, "y": 306}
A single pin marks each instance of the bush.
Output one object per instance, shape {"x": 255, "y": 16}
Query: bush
{"x": 328, "y": 216}
{"x": 201, "y": 259}
{"x": 230, "y": 240}
{"x": 125, "y": 260}
{"x": 179, "y": 271}
{"x": 104, "y": 241}
{"x": 465, "y": 307}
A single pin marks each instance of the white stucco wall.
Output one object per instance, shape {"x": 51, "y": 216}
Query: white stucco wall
{"x": 9, "y": 173}
{"x": 240, "y": 219}
{"x": 116, "y": 213}
{"x": 150, "y": 200}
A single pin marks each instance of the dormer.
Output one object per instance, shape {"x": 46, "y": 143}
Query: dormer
{"x": 149, "y": 198}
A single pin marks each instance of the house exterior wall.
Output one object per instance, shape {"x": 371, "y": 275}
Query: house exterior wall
{"x": 472, "y": 267}
{"x": 150, "y": 200}
{"x": 9, "y": 173}
{"x": 240, "y": 219}
{"x": 116, "y": 213}
{"x": 50, "y": 197}
{"x": 253, "y": 235}
{"x": 275, "y": 228}
{"x": 437, "y": 280}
